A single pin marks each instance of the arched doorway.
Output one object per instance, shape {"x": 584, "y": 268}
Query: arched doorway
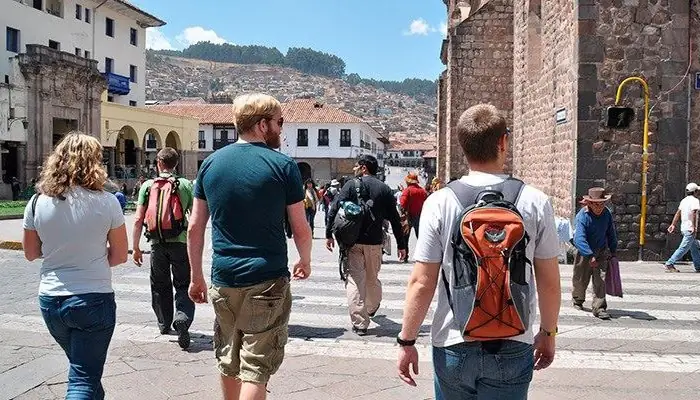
{"x": 173, "y": 141}
{"x": 151, "y": 144}
{"x": 126, "y": 163}
{"x": 305, "y": 170}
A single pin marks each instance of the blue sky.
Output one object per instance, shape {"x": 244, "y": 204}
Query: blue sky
{"x": 381, "y": 39}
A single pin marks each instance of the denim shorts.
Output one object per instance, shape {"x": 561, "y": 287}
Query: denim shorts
{"x": 483, "y": 370}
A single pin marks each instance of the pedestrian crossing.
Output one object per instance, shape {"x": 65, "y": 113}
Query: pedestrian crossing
{"x": 655, "y": 326}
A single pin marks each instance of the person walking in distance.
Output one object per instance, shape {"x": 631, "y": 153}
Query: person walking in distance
{"x": 156, "y": 198}
{"x": 78, "y": 229}
{"x": 247, "y": 187}
{"x": 478, "y": 355}
{"x": 310, "y": 202}
{"x": 364, "y": 258}
{"x": 595, "y": 240}
{"x": 412, "y": 200}
{"x": 688, "y": 214}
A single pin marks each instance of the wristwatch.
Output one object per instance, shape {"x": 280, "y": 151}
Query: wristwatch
{"x": 548, "y": 333}
{"x": 405, "y": 343}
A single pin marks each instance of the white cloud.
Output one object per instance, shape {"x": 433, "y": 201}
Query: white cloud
{"x": 156, "y": 40}
{"x": 196, "y": 34}
{"x": 443, "y": 28}
{"x": 418, "y": 27}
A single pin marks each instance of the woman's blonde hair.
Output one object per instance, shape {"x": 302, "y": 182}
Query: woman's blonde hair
{"x": 76, "y": 161}
{"x": 249, "y": 109}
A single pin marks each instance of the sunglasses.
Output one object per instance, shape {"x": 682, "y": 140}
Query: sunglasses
{"x": 507, "y": 132}
{"x": 280, "y": 121}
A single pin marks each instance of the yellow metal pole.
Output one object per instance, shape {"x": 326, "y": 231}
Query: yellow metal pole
{"x": 645, "y": 156}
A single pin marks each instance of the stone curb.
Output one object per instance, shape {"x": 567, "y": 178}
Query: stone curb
{"x": 11, "y": 245}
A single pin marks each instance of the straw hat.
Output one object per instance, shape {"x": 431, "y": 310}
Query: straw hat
{"x": 597, "y": 195}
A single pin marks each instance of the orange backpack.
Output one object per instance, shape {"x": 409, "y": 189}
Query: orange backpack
{"x": 165, "y": 218}
{"x": 489, "y": 295}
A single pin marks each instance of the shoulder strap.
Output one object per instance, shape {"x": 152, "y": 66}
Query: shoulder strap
{"x": 35, "y": 198}
{"x": 467, "y": 194}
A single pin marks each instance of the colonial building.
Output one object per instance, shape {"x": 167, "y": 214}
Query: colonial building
{"x": 326, "y": 141}
{"x": 79, "y": 65}
{"x": 216, "y": 124}
{"x": 407, "y": 154}
{"x": 554, "y": 67}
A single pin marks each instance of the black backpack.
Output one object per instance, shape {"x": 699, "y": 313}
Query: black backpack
{"x": 351, "y": 217}
{"x": 489, "y": 295}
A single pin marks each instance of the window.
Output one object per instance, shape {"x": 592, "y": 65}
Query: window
{"x": 78, "y": 12}
{"x": 345, "y": 138}
{"x": 132, "y": 73}
{"x": 110, "y": 99}
{"x": 38, "y": 4}
{"x": 87, "y": 54}
{"x": 109, "y": 65}
{"x": 54, "y": 45}
{"x": 109, "y": 27}
{"x": 302, "y": 137}
{"x": 132, "y": 103}
{"x": 323, "y": 137}
{"x": 202, "y": 143}
{"x": 133, "y": 36}
{"x": 87, "y": 15}
{"x": 12, "y": 40}
{"x": 78, "y": 52}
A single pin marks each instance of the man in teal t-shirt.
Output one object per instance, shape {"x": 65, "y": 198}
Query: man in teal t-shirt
{"x": 169, "y": 255}
{"x": 247, "y": 187}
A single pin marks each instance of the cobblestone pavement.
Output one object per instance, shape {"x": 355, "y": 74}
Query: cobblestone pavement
{"x": 650, "y": 349}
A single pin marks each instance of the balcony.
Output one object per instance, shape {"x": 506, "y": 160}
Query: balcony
{"x": 219, "y": 143}
{"x": 117, "y": 84}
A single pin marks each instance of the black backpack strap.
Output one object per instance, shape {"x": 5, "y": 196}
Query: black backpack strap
{"x": 466, "y": 194}
{"x": 447, "y": 287}
{"x": 35, "y": 198}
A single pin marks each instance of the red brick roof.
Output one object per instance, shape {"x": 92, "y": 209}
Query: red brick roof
{"x": 430, "y": 154}
{"x": 305, "y": 110}
{"x": 205, "y": 113}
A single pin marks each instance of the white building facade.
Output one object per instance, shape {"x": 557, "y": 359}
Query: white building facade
{"x": 112, "y": 32}
{"x": 326, "y": 141}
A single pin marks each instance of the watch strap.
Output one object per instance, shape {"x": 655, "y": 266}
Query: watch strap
{"x": 550, "y": 333}
{"x": 405, "y": 343}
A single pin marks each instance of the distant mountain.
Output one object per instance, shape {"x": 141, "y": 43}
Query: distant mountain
{"x": 169, "y": 78}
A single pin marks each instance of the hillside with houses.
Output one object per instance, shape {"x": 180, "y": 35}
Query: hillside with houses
{"x": 398, "y": 116}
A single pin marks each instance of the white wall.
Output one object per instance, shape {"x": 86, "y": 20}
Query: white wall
{"x": 38, "y": 27}
{"x": 333, "y": 150}
{"x": 13, "y": 96}
{"x": 208, "y": 136}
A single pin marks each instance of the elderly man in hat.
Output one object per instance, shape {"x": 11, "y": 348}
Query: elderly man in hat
{"x": 596, "y": 242}
{"x": 687, "y": 213}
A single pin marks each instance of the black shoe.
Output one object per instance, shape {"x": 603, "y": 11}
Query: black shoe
{"x": 183, "y": 336}
{"x": 164, "y": 330}
{"x": 359, "y": 331}
{"x": 578, "y": 306}
{"x": 602, "y": 314}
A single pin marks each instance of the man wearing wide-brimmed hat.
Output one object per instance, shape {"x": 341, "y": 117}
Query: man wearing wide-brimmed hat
{"x": 687, "y": 213}
{"x": 596, "y": 241}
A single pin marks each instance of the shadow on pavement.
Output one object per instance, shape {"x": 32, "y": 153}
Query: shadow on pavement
{"x": 308, "y": 332}
{"x": 641, "y": 315}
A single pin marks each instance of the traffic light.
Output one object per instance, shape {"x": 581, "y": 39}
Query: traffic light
{"x": 619, "y": 117}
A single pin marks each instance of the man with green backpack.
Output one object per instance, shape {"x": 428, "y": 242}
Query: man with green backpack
{"x": 162, "y": 207}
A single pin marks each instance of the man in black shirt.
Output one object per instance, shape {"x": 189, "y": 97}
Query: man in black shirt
{"x": 363, "y": 287}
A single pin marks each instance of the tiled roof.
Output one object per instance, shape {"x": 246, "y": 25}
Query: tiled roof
{"x": 430, "y": 154}
{"x": 305, "y": 110}
{"x": 205, "y": 113}
{"x": 188, "y": 100}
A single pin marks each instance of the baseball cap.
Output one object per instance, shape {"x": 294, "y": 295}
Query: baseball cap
{"x": 691, "y": 187}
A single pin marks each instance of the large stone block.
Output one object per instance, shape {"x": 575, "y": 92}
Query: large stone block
{"x": 591, "y": 49}
{"x": 673, "y": 131}
{"x": 592, "y": 168}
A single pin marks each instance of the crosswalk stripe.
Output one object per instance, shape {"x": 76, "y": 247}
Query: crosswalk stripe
{"x": 298, "y": 289}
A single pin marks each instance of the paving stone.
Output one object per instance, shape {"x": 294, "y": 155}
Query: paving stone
{"x": 29, "y": 375}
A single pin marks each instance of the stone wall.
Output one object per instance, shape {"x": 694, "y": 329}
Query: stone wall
{"x": 618, "y": 39}
{"x": 545, "y": 70}
{"x": 442, "y": 131}
{"x": 694, "y": 158}
{"x": 479, "y": 58}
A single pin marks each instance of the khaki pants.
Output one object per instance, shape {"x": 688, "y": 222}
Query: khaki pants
{"x": 583, "y": 272}
{"x": 363, "y": 287}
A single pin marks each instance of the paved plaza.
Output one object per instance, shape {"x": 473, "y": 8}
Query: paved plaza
{"x": 650, "y": 349}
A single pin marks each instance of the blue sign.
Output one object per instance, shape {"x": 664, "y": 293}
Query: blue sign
{"x": 117, "y": 84}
